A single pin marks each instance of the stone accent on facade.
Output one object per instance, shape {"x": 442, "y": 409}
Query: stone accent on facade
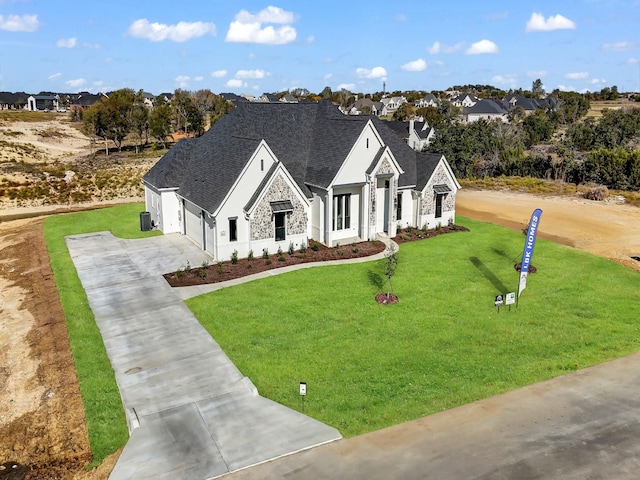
{"x": 262, "y": 222}
{"x": 428, "y": 199}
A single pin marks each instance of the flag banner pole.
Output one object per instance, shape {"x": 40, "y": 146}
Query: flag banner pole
{"x": 527, "y": 253}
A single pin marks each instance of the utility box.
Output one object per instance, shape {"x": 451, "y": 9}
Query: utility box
{"x": 145, "y": 221}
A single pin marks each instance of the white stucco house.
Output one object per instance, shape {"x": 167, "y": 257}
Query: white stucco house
{"x": 268, "y": 175}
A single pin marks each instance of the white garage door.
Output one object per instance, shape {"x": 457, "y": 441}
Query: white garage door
{"x": 193, "y": 223}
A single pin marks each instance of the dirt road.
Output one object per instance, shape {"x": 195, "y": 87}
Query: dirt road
{"x": 606, "y": 229}
{"x": 41, "y": 414}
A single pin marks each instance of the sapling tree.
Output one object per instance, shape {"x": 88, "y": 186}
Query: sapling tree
{"x": 390, "y": 266}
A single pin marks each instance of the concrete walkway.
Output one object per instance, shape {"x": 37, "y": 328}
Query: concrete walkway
{"x": 191, "y": 412}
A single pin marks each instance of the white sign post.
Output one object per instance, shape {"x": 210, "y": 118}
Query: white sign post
{"x": 303, "y": 392}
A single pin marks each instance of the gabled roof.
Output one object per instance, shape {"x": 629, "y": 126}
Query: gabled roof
{"x": 486, "y": 106}
{"x": 426, "y": 164}
{"x": 311, "y": 140}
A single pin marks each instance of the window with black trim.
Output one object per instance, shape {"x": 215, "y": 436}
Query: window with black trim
{"x": 233, "y": 229}
{"x": 439, "y": 198}
{"x": 342, "y": 211}
{"x": 280, "y": 219}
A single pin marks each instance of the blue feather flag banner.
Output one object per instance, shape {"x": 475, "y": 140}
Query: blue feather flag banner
{"x": 527, "y": 253}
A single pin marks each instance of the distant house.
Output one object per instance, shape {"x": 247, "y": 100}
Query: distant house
{"x": 271, "y": 175}
{"x": 464, "y": 100}
{"x": 86, "y": 99}
{"x": 391, "y": 104}
{"x": 233, "y": 98}
{"x": 42, "y": 102}
{"x": 417, "y": 134}
{"x": 487, "y": 109}
{"x": 530, "y": 104}
{"x": 13, "y": 101}
{"x": 429, "y": 100}
{"x": 288, "y": 98}
{"x": 268, "y": 97}
{"x": 365, "y": 106}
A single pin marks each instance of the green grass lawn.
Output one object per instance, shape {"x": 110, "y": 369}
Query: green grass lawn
{"x": 103, "y": 407}
{"x": 369, "y": 366}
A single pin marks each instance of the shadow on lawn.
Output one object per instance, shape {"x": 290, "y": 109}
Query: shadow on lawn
{"x": 489, "y": 275}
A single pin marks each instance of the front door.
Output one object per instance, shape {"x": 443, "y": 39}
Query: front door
{"x": 382, "y": 205}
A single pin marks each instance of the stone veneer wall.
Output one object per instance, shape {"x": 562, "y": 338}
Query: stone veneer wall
{"x": 262, "y": 221}
{"x": 428, "y": 200}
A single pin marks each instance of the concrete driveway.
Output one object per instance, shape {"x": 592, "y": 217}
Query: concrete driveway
{"x": 192, "y": 414}
{"x": 584, "y": 425}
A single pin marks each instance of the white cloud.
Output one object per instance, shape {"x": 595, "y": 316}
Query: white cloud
{"x": 347, "y": 86}
{"x": 418, "y": 65}
{"x": 182, "y": 81}
{"x": 54, "y": 76}
{"x": 537, "y": 23}
{"x": 481, "y": 47}
{"x": 576, "y": 75}
{"x": 619, "y": 46}
{"x": 77, "y": 83}
{"x": 438, "y": 47}
{"x": 67, "y": 42}
{"x": 248, "y": 28}
{"x": 633, "y": 61}
{"x": 375, "y": 72}
{"x": 598, "y": 81}
{"x": 235, "y": 83}
{"x": 537, "y": 73}
{"x": 19, "y": 23}
{"x": 180, "y": 32}
{"x": 257, "y": 74}
{"x": 267, "y": 15}
{"x": 219, "y": 73}
{"x": 507, "y": 79}
{"x": 199, "y": 78}
{"x": 328, "y": 76}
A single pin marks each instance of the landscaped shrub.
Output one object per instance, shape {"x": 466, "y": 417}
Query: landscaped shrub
{"x": 291, "y": 248}
{"x": 250, "y": 255}
{"x": 303, "y": 248}
{"x": 265, "y": 253}
{"x": 234, "y": 257}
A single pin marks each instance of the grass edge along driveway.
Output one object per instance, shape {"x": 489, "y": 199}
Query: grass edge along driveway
{"x": 444, "y": 344}
{"x": 106, "y": 422}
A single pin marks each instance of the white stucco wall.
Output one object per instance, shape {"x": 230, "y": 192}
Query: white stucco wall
{"x": 164, "y": 207}
{"x": 360, "y": 158}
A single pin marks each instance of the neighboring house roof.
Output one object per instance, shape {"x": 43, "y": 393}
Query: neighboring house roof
{"x": 86, "y": 99}
{"x": 13, "y": 99}
{"x": 486, "y": 106}
{"x": 233, "y": 98}
{"x": 311, "y": 140}
{"x": 288, "y": 98}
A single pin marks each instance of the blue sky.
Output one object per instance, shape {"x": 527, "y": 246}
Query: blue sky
{"x": 248, "y": 46}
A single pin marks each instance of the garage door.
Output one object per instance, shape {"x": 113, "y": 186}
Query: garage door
{"x": 193, "y": 223}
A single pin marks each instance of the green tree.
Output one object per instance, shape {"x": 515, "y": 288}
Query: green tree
{"x": 537, "y": 128}
{"x": 537, "y": 89}
{"x": 139, "y": 117}
{"x": 404, "y": 112}
{"x": 160, "y": 123}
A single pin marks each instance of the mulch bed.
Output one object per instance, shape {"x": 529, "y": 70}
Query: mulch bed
{"x": 221, "y": 272}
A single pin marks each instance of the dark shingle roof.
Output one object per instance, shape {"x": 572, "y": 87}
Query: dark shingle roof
{"x": 425, "y": 164}
{"x": 311, "y": 140}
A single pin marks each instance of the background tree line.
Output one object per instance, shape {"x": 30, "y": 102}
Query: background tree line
{"x": 127, "y": 114}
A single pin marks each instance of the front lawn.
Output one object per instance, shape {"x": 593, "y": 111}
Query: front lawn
{"x": 369, "y": 366}
{"x": 102, "y": 404}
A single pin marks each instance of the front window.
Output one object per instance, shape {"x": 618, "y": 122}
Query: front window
{"x": 399, "y": 207}
{"x": 233, "y": 229}
{"x": 280, "y": 226}
{"x": 342, "y": 211}
{"x": 439, "y": 205}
